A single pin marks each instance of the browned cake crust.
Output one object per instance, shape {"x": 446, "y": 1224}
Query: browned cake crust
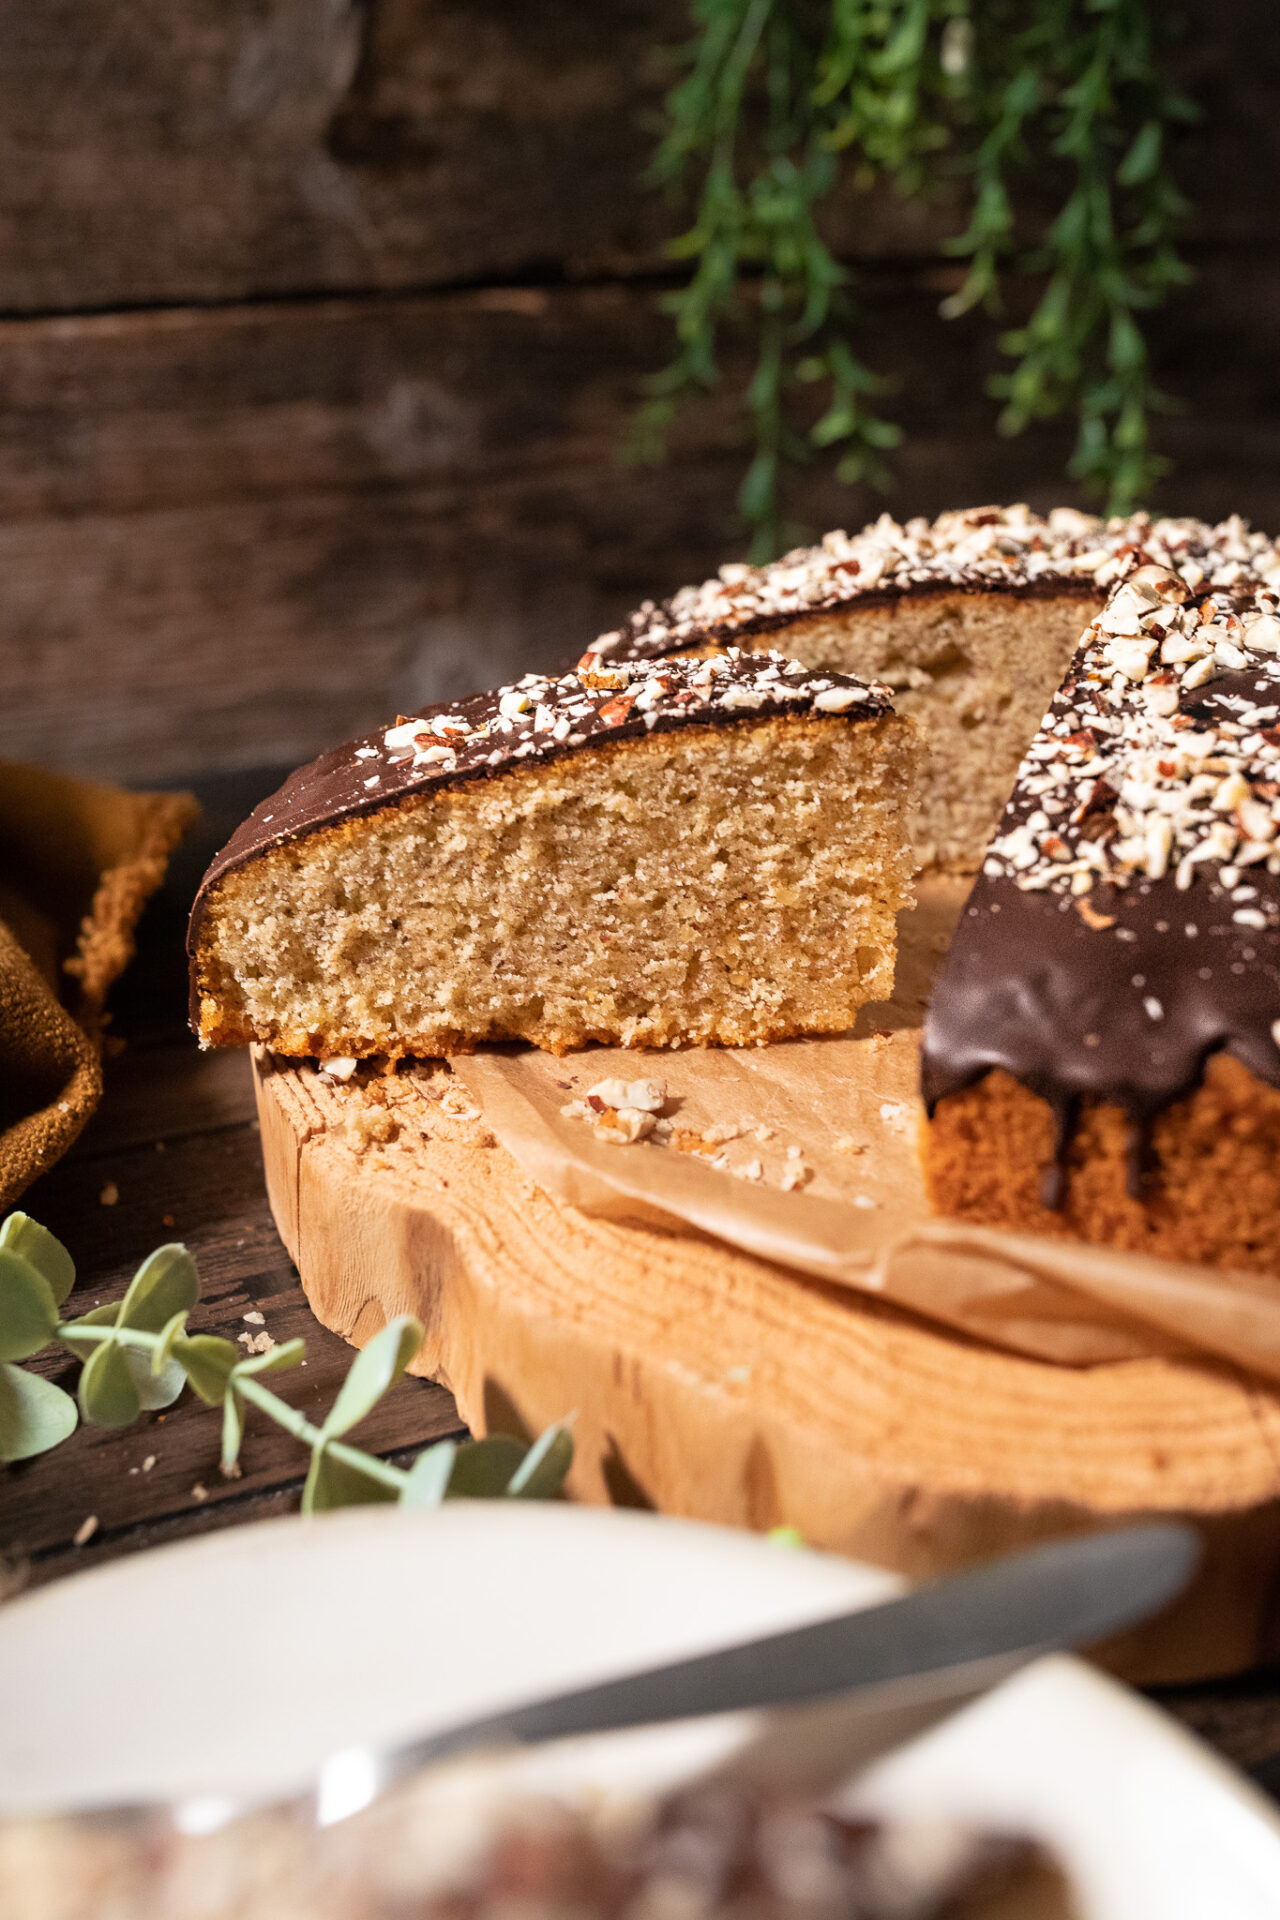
{"x": 1211, "y": 1188}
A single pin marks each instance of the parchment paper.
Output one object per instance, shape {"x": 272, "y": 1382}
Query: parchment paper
{"x": 851, "y": 1104}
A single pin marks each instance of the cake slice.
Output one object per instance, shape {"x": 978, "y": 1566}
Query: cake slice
{"x": 1102, "y": 1053}
{"x": 679, "y": 852}
{"x": 971, "y": 619}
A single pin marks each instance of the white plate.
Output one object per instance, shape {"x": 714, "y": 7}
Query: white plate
{"x": 235, "y": 1664}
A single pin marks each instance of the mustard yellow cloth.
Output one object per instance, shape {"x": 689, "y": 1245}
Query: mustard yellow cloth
{"x": 78, "y": 861}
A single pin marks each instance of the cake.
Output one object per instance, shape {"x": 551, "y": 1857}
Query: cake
{"x": 1101, "y": 1056}
{"x": 971, "y": 619}
{"x": 665, "y": 853}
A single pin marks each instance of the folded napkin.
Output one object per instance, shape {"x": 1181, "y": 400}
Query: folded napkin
{"x": 78, "y": 861}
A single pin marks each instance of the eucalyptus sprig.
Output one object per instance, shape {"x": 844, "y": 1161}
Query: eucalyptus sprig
{"x": 138, "y": 1356}
{"x": 1059, "y": 104}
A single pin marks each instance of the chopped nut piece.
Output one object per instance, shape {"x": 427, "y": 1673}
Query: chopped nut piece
{"x": 619, "y": 1126}
{"x": 340, "y": 1068}
{"x": 650, "y": 1096}
{"x": 109, "y": 1194}
{"x": 85, "y": 1531}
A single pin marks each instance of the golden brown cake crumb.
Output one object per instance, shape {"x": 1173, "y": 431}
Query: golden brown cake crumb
{"x": 727, "y": 878}
{"x": 1210, "y": 1190}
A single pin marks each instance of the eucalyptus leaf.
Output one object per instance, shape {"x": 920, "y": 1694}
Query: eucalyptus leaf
{"x": 21, "y": 1234}
{"x": 232, "y": 1428}
{"x": 541, "y": 1474}
{"x": 109, "y": 1394}
{"x": 34, "y": 1414}
{"x": 484, "y": 1469}
{"x": 291, "y": 1354}
{"x": 164, "y": 1284}
{"x": 28, "y": 1311}
{"x": 155, "y": 1389}
{"x": 372, "y": 1372}
{"x": 778, "y": 110}
{"x": 171, "y": 1330}
{"x": 429, "y": 1476}
{"x": 334, "y": 1482}
{"x": 208, "y": 1362}
{"x": 69, "y": 1334}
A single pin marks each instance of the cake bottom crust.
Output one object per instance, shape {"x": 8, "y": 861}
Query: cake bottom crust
{"x": 1210, "y": 1190}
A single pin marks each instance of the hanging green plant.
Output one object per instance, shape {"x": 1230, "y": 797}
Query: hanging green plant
{"x": 1061, "y": 103}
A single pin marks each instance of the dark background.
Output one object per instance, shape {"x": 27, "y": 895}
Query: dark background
{"x": 323, "y": 319}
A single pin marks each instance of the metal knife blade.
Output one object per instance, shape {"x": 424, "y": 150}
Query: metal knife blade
{"x": 945, "y": 1640}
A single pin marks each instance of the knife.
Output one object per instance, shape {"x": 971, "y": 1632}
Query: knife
{"x": 941, "y": 1644}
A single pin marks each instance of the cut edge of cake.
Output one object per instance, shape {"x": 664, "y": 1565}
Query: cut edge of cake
{"x": 972, "y": 619}
{"x": 667, "y": 853}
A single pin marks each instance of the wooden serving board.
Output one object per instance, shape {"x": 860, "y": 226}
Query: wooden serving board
{"x": 714, "y": 1385}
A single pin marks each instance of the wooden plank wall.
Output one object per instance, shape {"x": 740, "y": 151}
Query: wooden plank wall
{"x": 321, "y": 323}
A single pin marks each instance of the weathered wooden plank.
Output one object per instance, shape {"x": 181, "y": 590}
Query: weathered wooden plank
{"x": 121, "y": 412}
{"x": 229, "y": 539}
{"x": 187, "y": 152}
{"x": 193, "y": 152}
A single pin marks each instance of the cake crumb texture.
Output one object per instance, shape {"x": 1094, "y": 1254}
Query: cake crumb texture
{"x": 976, "y": 670}
{"x": 712, "y": 885}
{"x": 1209, "y": 1187}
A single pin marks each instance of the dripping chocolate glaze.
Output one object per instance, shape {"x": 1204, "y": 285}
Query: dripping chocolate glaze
{"x": 1129, "y": 1012}
{"x": 1028, "y": 987}
{"x": 476, "y": 739}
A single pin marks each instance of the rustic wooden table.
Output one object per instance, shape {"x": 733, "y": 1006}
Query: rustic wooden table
{"x": 173, "y": 1154}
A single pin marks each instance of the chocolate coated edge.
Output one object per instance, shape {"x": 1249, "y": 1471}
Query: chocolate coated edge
{"x": 1029, "y": 987}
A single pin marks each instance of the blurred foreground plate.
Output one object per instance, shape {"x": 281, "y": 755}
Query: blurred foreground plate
{"x": 236, "y": 1664}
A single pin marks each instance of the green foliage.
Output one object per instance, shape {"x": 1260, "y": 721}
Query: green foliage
{"x": 34, "y": 1414}
{"x": 21, "y": 1234}
{"x": 783, "y": 100}
{"x": 138, "y": 1354}
{"x": 28, "y": 1310}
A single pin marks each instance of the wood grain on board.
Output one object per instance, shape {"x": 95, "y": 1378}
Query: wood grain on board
{"x": 708, "y": 1383}
{"x": 210, "y": 1179}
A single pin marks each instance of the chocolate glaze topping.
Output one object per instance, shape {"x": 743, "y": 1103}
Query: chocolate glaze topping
{"x": 985, "y": 549}
{"x": 540, "y": 719}
{"x": 1127, "y": 921}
